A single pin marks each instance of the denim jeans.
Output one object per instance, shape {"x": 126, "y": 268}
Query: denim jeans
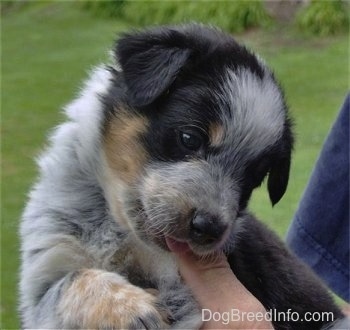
{"x": 319, "y": 232}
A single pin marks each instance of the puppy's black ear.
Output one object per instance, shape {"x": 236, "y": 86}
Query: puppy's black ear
{"x": 278, "y": 179}
{"x": 279, "y": 172}
{"x": 150, "y": 61}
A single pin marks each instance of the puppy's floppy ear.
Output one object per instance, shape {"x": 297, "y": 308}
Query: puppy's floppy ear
{"x": 278, "y": 179}
{"x": 150, "y": 62}
{"x": 279, "y": 172}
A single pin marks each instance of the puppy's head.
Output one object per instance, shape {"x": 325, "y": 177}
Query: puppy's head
{"x": 194, "y": 122}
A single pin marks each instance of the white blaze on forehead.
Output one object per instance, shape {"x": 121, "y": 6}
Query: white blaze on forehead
{"x": 256, "y": 109}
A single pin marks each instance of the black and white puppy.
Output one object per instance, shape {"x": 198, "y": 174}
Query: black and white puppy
{"x": 166, "y": 145}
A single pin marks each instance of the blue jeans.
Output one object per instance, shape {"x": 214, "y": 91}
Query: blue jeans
{"x": 319, "y": 233}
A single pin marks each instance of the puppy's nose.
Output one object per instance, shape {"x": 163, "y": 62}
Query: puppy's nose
{"x": 206, "y": 228}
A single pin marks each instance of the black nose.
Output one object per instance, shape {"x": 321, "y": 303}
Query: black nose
{"x": 206, "y": 228}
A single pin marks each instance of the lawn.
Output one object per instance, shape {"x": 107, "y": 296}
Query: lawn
{"x": 47, "y": 49}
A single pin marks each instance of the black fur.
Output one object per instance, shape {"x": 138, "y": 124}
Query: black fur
{"x": 152, "y": 60}
{"x": 275, "y": 276}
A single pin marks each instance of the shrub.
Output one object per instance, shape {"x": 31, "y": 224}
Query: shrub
{"x": 233, "y": 16}
{"x": 323, "y": 17}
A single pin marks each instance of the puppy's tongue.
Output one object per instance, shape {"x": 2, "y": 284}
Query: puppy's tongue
{"x": 176, "y": 246}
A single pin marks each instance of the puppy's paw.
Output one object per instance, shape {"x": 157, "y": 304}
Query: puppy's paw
{"x": 102, "y": 300}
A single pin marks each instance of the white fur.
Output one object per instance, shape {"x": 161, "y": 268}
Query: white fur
{"x": 71, "y": 153}
{"x": 257, "y": 110}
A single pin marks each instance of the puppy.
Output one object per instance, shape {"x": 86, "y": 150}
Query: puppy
{"x": 164, "y": 146}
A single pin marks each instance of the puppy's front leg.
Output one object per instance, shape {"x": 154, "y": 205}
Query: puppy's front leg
{"x": 96, "y": 299}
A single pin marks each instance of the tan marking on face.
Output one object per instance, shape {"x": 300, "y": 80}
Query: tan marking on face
{"x": 216, "y": 134}
{"x": 124, "y": 152}
{"x": 97, "y": 299}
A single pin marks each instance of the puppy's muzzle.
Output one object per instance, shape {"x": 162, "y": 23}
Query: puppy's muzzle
{"x": 206, "y": 229}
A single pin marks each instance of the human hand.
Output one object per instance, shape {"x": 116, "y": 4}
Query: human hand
{"x": 218, "y": 291}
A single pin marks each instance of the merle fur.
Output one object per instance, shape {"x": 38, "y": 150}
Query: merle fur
{"x": 172, "y": 76}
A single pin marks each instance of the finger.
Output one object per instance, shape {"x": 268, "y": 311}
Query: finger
{"x": 189, "y": 262}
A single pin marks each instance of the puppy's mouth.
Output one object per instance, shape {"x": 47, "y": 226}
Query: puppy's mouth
{"x": 180, "y": 246}
{"x": 201, "y": 232}
{"x": 177, "y": 246}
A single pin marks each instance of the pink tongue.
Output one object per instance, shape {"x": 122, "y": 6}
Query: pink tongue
{"x": 176, "y": 246}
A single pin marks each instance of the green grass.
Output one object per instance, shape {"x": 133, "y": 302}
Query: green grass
{"x": 47, "y": 50}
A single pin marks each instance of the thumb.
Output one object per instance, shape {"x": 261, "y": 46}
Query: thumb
{"x": 200, "y": 273}
{"x": 216, "y": 288}
{"x": 203, "y": 270}
{"x": 207, "y": 277}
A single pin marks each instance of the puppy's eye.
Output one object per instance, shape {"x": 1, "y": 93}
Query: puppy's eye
{"x": 190, "y": 140}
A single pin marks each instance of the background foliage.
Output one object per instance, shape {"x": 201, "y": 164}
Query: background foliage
{"x": 234, "y": 16}
{"x": 316, "y": 17}
{"x": 47, "y": 49}
{"x": 323, "y": 18}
